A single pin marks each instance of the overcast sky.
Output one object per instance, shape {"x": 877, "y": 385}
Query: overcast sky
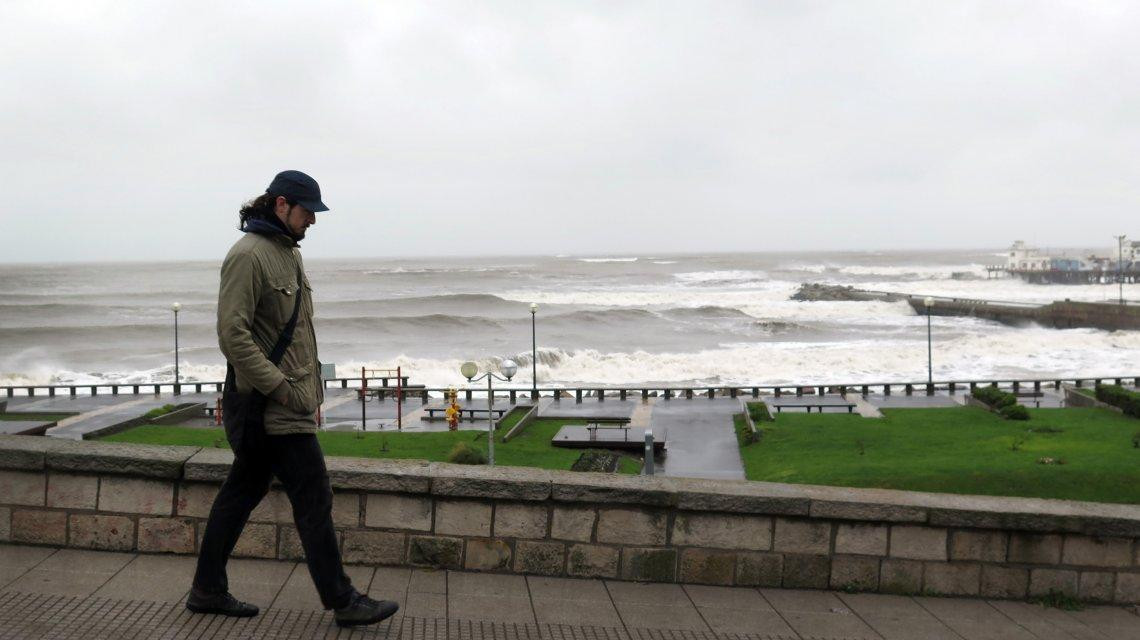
{"x": 134, "y": 130}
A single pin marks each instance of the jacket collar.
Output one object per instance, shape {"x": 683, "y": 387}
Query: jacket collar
{"x": 271, "y": 228}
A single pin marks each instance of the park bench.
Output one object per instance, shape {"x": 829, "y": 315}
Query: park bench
{"x": 1034, "y": 395}
{"x": 850, "y": 406}
{"x": 470, "y": 414}
{"x": 383, "y": 392}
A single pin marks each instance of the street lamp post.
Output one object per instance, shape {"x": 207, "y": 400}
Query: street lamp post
{"x": 1120, "y": 266}
{"x": 470, "y": 371}
{"x": 533, "y": 354}
{"x": 176, "y": 307}
{"x": 928, "y": 302}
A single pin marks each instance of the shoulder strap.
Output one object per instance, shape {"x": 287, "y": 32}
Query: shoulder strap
{"x": 286, "y": 337}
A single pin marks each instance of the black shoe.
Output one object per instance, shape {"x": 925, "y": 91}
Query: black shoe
{"x": 364, "y": 610}
{"x": 221, "y": 603}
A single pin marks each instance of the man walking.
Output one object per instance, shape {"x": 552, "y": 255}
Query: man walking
{"x": 272, "y": 392}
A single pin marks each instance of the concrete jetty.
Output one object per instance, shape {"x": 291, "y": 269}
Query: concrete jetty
{"x": 1061, "y": 314}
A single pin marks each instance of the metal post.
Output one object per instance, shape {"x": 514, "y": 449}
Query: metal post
{"x": 533, "y": 355}
{"x": 649, "y": 452}
{"x": 176, "y": 374}
{"x": 399, "y": 401}
{"x": 363, "y": 398}
{"x": 490, "y": 421}
{"x": 929, "y": 351}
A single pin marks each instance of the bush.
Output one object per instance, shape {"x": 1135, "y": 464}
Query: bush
{"x": 744, "y": 435}
{"x": 758, "y": 411}
{"x": 995, "y": 397}
{"x": 1118, "y": 396}
{"x": 596, "y": 460}
{"x": 464, "y": 453}
{"x": 159, "y": 411}
{"x": 1014, "y": 412}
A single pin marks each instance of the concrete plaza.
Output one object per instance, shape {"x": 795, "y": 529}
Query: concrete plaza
{"x": 66, "y": 593}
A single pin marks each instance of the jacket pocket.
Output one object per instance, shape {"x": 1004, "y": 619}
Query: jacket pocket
{"x": 302, "y": 390}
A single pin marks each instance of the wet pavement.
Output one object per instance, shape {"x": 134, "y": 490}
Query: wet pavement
{"x": 68, "y": 593}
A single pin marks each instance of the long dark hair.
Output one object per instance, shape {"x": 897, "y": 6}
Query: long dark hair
{"x": 263, "y": 207}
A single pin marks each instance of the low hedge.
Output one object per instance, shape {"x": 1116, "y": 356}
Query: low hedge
{"x": 1002, "y": 402}
{"x": 1118, "y": 396}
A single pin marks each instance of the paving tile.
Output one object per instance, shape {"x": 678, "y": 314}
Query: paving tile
{"x": 144, "y": 586}
{"x": 647, "y": 593}
{"x": 571, "y": 589}
{"x": 81, "y": 561}
{"x": 727, "y": 598}
{"x": 595, "y": 613}
{"x": 15, "y": 560}
{"x": 804, "y": 601}
{"x": 1111, "y": 621}
{"x": 486, "y": 584}
{"x": 61, "y": 583}
{"x": 428, "y": 581}
{"x": 974, "y": 619}
{"x": 817, "y": 613}
{"x": 661, "y": 616}
{"x": 424, "y": 605}
{"x": 756, "y": 622}
{"x": 494, "y": 608}
{"x": 1047, "y": 622}
{"x": 257, "y": 581}
{"x": 298, "y": 591}
{"x": 389, "y": 580}
{"x": 896, "y": 617}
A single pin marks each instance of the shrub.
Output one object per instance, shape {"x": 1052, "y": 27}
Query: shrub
{"x": 464, "y": 453}
{"x": 744, "y": 435}
{"x": 1118, "y": 396}
{"x": 596, "y": 460}
{"x": 1003, "y": 402}
{"x": 758, "y": 411}
{"x": 1014, "y": 412}
{"x": 159, "y": 411}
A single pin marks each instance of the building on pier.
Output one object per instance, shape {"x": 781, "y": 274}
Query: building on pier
{"x": 1031, "y": 264}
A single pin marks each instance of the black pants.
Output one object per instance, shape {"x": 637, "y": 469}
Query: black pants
{"x": 297, "y": 461}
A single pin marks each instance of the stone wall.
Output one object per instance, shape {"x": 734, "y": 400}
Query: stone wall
{"x": 155, "y": 499}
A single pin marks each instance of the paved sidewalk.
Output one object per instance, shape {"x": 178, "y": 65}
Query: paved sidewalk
{"x": 50, "y": 593}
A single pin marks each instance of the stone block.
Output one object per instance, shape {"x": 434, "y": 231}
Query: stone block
{"x": 93, "y": 456}
{"x": 518, "y": 520}
{"x": 195, "y": 499}
{"x": 573, "y": 523}
{"x": 648, "y": 565}
{"x": 136, "y": 495}
{"x": 861, "y": 539}
{"x": 256, "y": 541}
{"x": 374, "y": 547}
{"x": 631, "y": 526}
{"x": 1044, "y": 581}
{"x": 1097, "y": 552}
{"x": 918, "y": 543}
{"x": 1127, "y": 588}
{"x": 487, "y": 555}
{"x": 753, "y": 533}
{"x": 346, "y": 509}
{"x": 394, "y": 476}
{"x": 166, "y": 535}
{"x": 1034, "y": 548}
{"x": 759, "y": 569}
{"x": 274, "y": 507}
{"x": 982, "y": 546}
{"x": 803, "y": 571}
{"x": 436, "y": 551}
{"x": 397, "y": 511}
{"x": 694, "y": 494}
{"x": 24, "y": 488}
{"x": 541, "y": 558}
{"x": 72, "y": 491}
{"x": 901, "y": 577}
{"x": 211, "y": 464}
{"x": 39, "y": 527}
{"x": 289, "y": 544}
{"x": 109, "y": 533}
{"x": 703, "y": 566}
{"x": 803, "y": 537}
{"x": 23, "y": 452}
{"x": 5, "y": 524}
{"x": 854, "y": 573}
{"x": 952, "y": 578}
{"x": 867, "y": 511}
{"x": 500, "y": 483}
{"x": 611, "y": 488}
{"x": 1004, "y": 582}
{"x": 1095, "y": 586}
{"x": 463, "y": 518}
{"x": 592, "y": 561}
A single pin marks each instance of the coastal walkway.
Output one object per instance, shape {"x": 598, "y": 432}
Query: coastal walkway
{"x": 94, "y": 595}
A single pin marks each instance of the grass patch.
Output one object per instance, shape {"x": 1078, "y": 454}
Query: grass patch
{"x": 744, "y": 436}
{"x": 160, "y": 411}
{"x": 956, "y": 450}
{"x": 531, "y": 448}
{"x": 31, "y": 416}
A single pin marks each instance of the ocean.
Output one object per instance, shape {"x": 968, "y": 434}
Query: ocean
{"x": 616, "y": 320}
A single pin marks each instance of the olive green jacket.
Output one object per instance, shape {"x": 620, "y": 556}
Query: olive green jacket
{"x": 255, "y": 301}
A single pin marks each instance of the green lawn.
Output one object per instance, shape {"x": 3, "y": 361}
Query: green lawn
{"x": 955, "y": 450}
{"x": 531, "y": 448}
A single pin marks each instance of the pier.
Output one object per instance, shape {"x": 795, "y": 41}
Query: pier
{"x": 1060, "y": 314}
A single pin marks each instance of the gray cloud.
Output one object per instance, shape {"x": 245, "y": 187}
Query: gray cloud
{"x": 133, "y": 130}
